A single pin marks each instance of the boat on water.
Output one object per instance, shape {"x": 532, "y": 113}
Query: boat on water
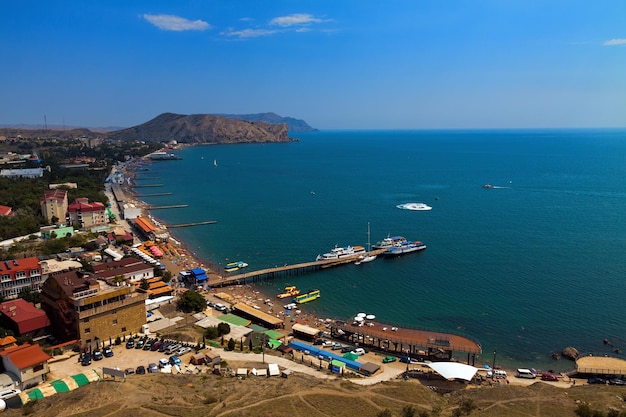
{"x": 234, "y": 266}
{"x": 414, "y": 206}
{"x": 341, "y": 252}
{"x": 306, "y": 297}
{"x": 488, "y": 186}
{"x": 290, "y": 291}
{"x": 389, "y": 242}
{"x": 403, "y": 248}
{"x": 163, "y": 156}
{"x": 215, "y": 162}
{"x": 368, "y": 257}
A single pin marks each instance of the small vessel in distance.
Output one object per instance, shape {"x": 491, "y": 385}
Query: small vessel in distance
{"x": 341, "y": 252}
{"x": 163, "y": 156}
{"x": 308, "y": 296}
{"x": 488, "y": 186}
{"x": 414, "y": 206}
{"x": 290, "y": 291}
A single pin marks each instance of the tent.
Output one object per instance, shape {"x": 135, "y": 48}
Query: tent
{"x": 453, "y": 370}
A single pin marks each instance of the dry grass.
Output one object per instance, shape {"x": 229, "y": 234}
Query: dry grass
{"x": 299, "y": 396}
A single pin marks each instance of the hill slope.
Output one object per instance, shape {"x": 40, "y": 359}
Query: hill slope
{"x": 202, "y": 128}
{"x": 293, "y": 125}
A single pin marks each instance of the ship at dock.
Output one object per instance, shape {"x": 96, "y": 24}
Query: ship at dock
{"x": 341, "y": 252}
{"x": 163, "y": 156}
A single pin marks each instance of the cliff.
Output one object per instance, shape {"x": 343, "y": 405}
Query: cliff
{"x": 202, "y": 128}
{"x": 293, "y": 125}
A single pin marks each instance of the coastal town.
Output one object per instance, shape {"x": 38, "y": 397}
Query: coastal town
{"x": 116, "y": 307}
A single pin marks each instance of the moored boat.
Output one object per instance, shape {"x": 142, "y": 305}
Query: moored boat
{"x": 368, "y": 257}
{"x": 290, "y": 291}
{"x": 404, "y": 247}
{"x": 389, "y": 242}
{"x": 341, "y": 252}
{"x": 309, "y": 296}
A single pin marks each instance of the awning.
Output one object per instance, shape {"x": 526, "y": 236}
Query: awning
{"x": 453, "y": 370}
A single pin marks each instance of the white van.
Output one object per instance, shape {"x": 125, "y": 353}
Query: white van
{"x": 499, "y": 374}
{"x": 526, "y": 373}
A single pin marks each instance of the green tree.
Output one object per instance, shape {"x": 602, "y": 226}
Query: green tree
{"x": 27, "y": 294}
{"x": 167, "y": 277}
{"x": 231, "y": 344}
{"x": 223, "y": 328}
{"x": 191, "y": 301}
{"x": 144, "y": 284}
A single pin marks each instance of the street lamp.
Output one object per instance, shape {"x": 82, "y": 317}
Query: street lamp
{"x": 494, "y": 359}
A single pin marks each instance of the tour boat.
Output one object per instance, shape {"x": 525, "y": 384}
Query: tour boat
{"x": 341, "y": 252}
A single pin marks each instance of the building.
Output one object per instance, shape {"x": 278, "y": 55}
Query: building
{"x": 56, "y": 231}
{"x": 54, "y": 205}
{"x": 86, "y": 214}
{"x": 84, "y": 308}
{"x": 131, "y": 269}
{"x": 28, "y": 363}
{"x": 23, "y": 318}
{"x": 22, "y": 173}
{"x": 6, "y": 211}
{"x": 17, "y": 274}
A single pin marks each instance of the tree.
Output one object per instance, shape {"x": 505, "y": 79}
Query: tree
{"x": 231, "y": 344}
{"x": 144, "y": 285}
{"x": 191, "y": 301}
{"x": 223, "y": 328}
{"x": 29, "y": 295}
{"x": 167, "y": 277}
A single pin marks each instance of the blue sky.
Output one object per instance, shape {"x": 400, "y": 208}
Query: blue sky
{"x": 338, "y": 64}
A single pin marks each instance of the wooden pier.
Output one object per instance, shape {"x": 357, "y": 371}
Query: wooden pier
{"x": 146, "y": 185}
{"x": 295, "y": 269}
{"x": 152, "y": 195}
{"x": 168, "y": 207}
{"x": 191, "y": 224}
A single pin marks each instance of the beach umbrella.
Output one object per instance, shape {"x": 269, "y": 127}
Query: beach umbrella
{"x": 358, "y": 318}
{"x": 370, "y": 317}
{"x": 361, "y": 315}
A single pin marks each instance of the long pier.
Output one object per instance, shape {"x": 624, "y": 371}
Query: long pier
{"x": 295, "y": 269}
{"x": 152, "y": 195}
{"x": 191, "y": 224}
{"x": 146, "y": 185}
{"x": 168, "y": 207}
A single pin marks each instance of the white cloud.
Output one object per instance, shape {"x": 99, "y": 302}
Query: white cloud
{"x": 249, "y": 33}
{"x": 297, "y": 19}
{"x": 614, "y": 42}
{"x": 175, "y": 23}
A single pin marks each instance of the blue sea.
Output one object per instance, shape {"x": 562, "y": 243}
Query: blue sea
{"x": 527, "y": 268}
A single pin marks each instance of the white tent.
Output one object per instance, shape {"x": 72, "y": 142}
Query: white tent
{"x": 454, "y": 370}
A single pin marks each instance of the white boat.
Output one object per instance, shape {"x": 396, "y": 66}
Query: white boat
{"x": 341, "y": 252}
{"x": 215, "y": 162}
{"x": 368, "y": 257}
{"x": 414, "y": 206}
{"x": 404, "y": 247}
{"x": 389, "y": 242}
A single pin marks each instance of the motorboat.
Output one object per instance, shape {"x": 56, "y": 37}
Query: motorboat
{"x": 389, "y": 242}
{"x": 341, "y": 252}
{"x": 290, "y": 291}
{"x": 309, "y": 296}
{"x": 368, "y": 257}
{"x": 405, "y": 247}
{"x": 488, "y": 186}
{"x": 414, "y": 206}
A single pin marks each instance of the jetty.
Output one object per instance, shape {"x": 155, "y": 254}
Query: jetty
{"x": 146, "y": 185}
{"x": 152, "y": 195}
{"x": 191, "y": 224}
{"x": 285, "y": 270}
{"x": 167, "y": 207}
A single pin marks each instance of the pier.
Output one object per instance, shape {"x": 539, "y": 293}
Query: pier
{"x": 152, "y": 195}
{"x": 191, "y": 224}
{"x": 146, "y": 185}
{"x": 285, "y": 270}
{"x": 168, "y": 207}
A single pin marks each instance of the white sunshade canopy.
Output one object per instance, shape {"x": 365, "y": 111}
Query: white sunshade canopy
{"x": 454, "y": 370}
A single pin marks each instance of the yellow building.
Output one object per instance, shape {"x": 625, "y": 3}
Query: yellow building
{"x": 54, "y": 205}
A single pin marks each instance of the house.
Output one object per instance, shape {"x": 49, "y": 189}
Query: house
{"x": 6, "y": 211}
{"x": 22, "y": 173}
{"x": 23, "y": 318}
{"x": 54, "y": 205}
{"x": 17, "y": 274}
{"x": 132, "y": 269}
{"x": 86, "y": 214}
{"x": 206, "y": 358}
{"x": 82, "y": 307}
{"x": 28, "y": 363}
{"x": 56, "y": 231}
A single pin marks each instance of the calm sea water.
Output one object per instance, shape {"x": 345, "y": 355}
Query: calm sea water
{"x": 528, "y": 268}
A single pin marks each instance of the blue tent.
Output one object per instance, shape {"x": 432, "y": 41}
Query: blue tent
{"x": 199, "y": 274}
{"x": 314, "y": 350}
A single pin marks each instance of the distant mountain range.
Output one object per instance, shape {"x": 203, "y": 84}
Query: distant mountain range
{"x": 195, "y": 128}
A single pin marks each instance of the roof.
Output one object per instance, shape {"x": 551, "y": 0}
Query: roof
{"x": 145, "y": 224}
{"x": 5, "y": 210}
{"x": 25, "y": 315}
{"x": 233, "y": 319}
{"x": 25, "y": 265}
{"x": 454, "y": 370}
{"x": 302, "y": 328}
{"x": 81, "y": 205}
{"x": 264, "y": 317}
{"x": 26, "y": 356}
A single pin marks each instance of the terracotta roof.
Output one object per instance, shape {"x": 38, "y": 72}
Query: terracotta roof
{"x": 81, "y": 206}
{"x": 56, "y": 194}
{"x": 25, "y": 315}
{"x": 26, "y": 356}
{"x": 7, "y": 340}
{"x": 5, "y": 211}
{"x": 26, "y": 265}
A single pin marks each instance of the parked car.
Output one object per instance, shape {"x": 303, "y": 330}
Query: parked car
{"x": 175, "y": 360}
{"x": 97, "y": 355}
{"x": 596, "y": 380}
{"x": 408, "y": 359}
{"x": 130, "y": 344}
{"x": 549, "y": 377}
{"x": 337, "y": 346}
{"x": 156, "y": 346}
{"x": 164, "y": 346}
{"x": 140, "y": 370}
{"x": 183, "y": 350}
{"x": 617, "y": 381}
{"x": 139, "y": 344}
{"x": 163, "y": 362}
{"x": 210, "y": 304}
{"x": 86, "y": 361}
{"x": 346, "y": 349}
{"x": 389, "y": 358}
{"x": 172, "y": 348}
{"x": 153, "y": 368}
{"x": 220, "y": 307}
{"x": 358, "y": 351}
{"x": 129, "y": 371}
{"x": 148, "y": 344}
{"x": 107, "y": 352}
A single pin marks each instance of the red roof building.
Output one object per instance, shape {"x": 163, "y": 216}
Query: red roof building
{"x": 16, "y": 274}
{"x": 23, "y": 317}
{"x": 87, "y": 214}
{"x": 54, "y": 205}
{"x": 6, "y": 211}
{"x": 28, "y": 363}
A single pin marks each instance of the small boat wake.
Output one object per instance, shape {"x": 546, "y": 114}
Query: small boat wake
{"x": 414, "y": 206}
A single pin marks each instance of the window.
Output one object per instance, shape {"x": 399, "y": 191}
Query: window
{"x": 123, "y": 329}
{"x": 87, "y": 331}
{"x": 38, "y": 368}
{"x": 86, "y": 320}
{"x": 114, "y": 321}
